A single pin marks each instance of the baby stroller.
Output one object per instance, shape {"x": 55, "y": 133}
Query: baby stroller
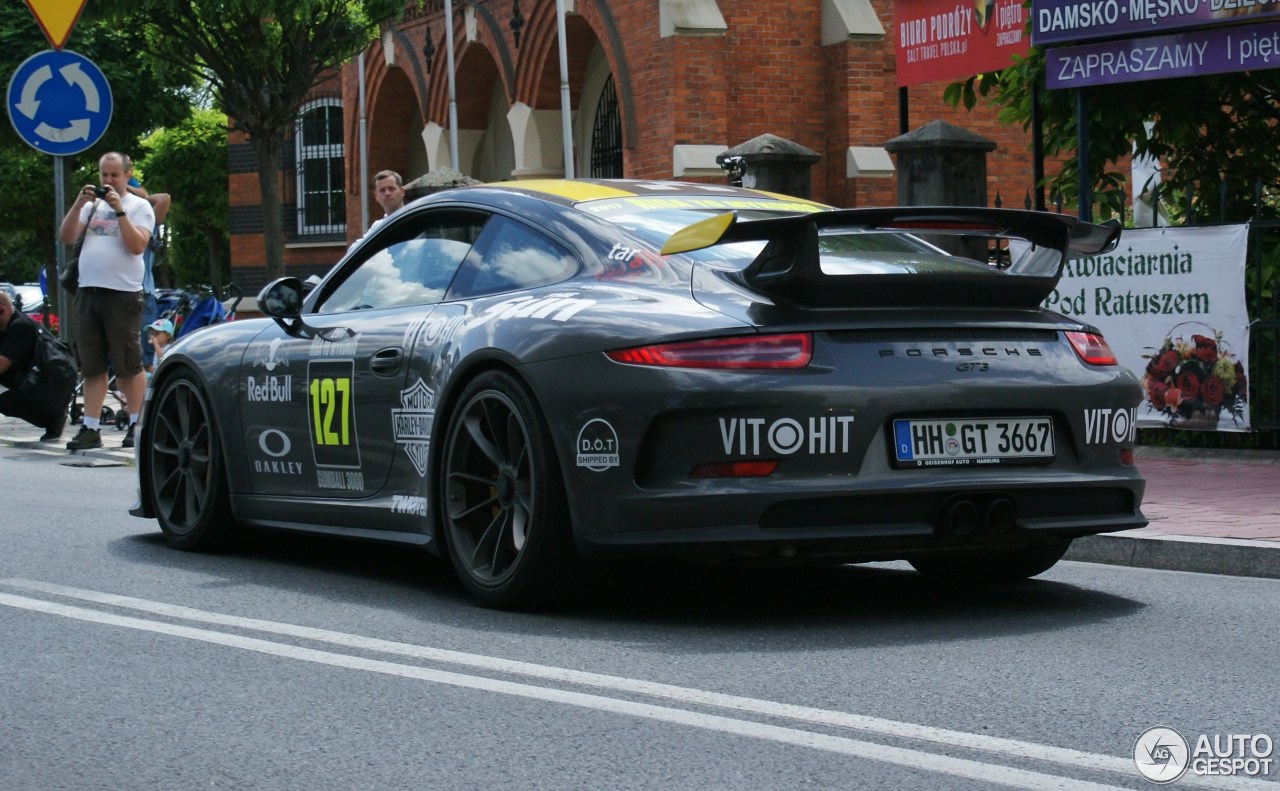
{"x": 108, "y": 415}
{"x": 191, "y": 312}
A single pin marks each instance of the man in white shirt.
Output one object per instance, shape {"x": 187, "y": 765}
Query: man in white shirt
{"x": 388, "y": 191}
{"x": 108, "y": 305}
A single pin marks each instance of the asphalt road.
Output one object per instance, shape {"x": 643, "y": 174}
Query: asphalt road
{"x": 313, "y": 664}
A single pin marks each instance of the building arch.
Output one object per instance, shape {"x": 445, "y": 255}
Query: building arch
{"x": 394, "y": 134}
{"x": 527, "y": 77}
{"x": 536, "y": 115}
{"x": 476, "y": 93}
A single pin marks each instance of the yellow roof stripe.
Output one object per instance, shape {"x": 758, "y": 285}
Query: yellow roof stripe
{"x": 570, "y": 190}
{"x": 780, "y": 196}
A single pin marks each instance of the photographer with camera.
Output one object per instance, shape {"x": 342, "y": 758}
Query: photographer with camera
{"x": 108, "y": 305}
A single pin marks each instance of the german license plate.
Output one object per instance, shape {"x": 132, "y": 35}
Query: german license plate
{"x": 957, "y": 442}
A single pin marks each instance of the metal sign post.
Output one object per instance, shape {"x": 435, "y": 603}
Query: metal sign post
{"x": 66, "y": 321}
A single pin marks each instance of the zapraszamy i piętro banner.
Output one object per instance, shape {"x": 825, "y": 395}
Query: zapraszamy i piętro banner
{"x": 1171, "y": 303}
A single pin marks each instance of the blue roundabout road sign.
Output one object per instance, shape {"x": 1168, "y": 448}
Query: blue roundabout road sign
{"x": 59, "y": 102}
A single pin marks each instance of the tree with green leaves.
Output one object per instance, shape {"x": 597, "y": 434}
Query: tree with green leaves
{"x": 262, "y": 59}
{"x": 144, "y": 96}
{"x": 189, "y": 161}
{"x": 1215, "y": 136}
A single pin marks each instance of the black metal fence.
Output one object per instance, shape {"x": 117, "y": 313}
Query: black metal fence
{"x": 1263, "y": 289}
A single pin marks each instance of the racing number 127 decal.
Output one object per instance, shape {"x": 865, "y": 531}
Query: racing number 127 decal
{"x": 331, "y": 404}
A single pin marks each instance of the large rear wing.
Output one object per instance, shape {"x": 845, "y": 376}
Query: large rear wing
{"x": 789, "y": 266}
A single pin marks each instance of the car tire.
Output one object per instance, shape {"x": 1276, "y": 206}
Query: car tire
{"x": 504, "y": 509}
{"x": 996, "y": 566}
{"x": 185, "y": 467}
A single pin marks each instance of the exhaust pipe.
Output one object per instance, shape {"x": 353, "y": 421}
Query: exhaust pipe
{"x": 991, "y": 514}
{"x": 959, "y": 518}
{"x": 999, "y": 515}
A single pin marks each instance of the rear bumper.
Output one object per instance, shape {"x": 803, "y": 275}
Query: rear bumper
{"x": 869, "y": 526}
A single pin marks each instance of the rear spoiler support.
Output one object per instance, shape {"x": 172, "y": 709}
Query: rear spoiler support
{"x": 790, "y": 259}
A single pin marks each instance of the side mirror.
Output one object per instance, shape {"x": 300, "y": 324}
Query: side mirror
{"x": 281, "y": 299}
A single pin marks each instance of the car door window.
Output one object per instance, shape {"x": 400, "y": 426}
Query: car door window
{"x": 413, "y": 265}
{"x": 511, "y": 256}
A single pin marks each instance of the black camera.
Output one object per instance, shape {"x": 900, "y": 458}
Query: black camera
{"x": 101, "y": 192}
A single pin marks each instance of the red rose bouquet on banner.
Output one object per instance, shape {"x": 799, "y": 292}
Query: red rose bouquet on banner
{"x": 1195, "y": 379}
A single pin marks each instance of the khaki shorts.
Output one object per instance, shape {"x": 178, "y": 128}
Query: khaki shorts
{"x": 107, "y": 323}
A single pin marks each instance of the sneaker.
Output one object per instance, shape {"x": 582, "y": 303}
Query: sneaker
{"x": 53, "y": 429}
{"x": 86, "y": 439}
{"x": 127, "y": 442}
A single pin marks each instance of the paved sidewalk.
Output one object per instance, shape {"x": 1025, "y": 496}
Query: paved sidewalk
{"x": 1211, "y": 511}
{"x": 20, "y": 434}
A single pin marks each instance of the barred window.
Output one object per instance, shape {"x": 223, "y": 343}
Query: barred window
{"x": 319, "y": 150}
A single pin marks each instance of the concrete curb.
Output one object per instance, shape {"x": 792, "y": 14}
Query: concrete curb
{"x": 1227, "y": 556}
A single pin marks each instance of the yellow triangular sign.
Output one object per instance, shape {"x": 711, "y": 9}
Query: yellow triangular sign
{"x": 56, "y": 18}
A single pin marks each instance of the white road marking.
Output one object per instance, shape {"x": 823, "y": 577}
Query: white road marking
{"x": 1005, "y": 748}
{"x": 914, "y": 759}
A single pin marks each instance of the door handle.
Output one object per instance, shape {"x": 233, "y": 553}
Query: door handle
{"x": 386, "y": 361}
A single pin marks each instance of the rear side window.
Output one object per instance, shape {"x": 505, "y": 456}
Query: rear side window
{"x": 511, "y": 256}
{"x": 413, "y": 263}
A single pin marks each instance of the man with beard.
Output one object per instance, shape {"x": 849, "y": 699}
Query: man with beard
{"x": 108, "y": 304}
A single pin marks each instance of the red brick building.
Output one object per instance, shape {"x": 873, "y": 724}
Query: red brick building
{"x": 657, "y": 88}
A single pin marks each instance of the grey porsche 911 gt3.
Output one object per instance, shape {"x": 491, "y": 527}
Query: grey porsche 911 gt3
{"x": 521, "y": 377}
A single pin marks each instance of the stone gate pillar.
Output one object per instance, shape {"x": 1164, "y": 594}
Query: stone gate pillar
{"x": 774, "y": 164}
{"x": 941, "y": 165}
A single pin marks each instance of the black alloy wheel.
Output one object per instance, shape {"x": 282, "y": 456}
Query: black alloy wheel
{"x": 505, "y": 512}
{"x": 185, "y": 467}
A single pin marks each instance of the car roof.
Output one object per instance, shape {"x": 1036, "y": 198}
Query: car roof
{"x": 596, "y": 196}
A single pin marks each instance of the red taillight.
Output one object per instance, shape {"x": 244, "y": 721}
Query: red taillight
{"x": 791, "y": 350}
{"x": 735, "y": 469}
{"x": 1092, "y": 348}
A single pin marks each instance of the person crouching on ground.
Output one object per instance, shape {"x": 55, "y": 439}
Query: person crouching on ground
{"x": 17, "y": 350}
